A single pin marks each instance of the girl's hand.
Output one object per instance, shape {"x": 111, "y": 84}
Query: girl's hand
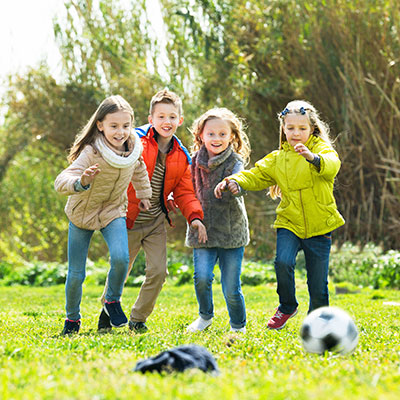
{"x": 144, "y": 205}
{"x": 221, "y": 187}
{"x": 226, "y": 184}
{"x": 89, "y": 174}
{"x": 202, "y": 232}
{"x": 304, "y": 151}
{"x": 233, "y": 186}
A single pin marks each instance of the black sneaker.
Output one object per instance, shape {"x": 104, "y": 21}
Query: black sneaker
{"x": 117, "y": 316}
{"x": 104, "y": 321}
{"x": 71, "y": 326}
{"x": 139, "y": 327}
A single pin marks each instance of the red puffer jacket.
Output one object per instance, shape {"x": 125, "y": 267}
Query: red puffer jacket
{"x": 177, "y": 179}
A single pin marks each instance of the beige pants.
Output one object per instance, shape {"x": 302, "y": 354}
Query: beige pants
{"x": 152, "y": 236}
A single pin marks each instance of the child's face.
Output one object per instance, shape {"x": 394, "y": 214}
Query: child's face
{"x": 116, "y": 127}
{"x": 216, "y": 136}
{"x": 297, "y": 129}
{"x": 165, "y": 119}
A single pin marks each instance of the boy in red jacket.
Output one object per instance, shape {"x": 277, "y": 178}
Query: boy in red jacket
{"x": 168, "y": 165}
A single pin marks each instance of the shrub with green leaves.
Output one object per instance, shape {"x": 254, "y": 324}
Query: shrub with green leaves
{"x": 366, "y": 267}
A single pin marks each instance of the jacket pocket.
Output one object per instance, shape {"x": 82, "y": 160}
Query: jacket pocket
{"x": 76, "y": 206}
{"x": 326, "y": 213}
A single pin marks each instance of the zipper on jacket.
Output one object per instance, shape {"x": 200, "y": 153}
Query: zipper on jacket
{"x": 104, "y": 202}
{"x": 304, "y": 215}
{"x": 162, "y": 201}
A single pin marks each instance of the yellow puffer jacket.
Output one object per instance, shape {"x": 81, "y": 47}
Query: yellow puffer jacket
{"x": 307, "y": 207}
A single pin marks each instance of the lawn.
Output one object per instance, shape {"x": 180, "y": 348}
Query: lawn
{"x": 38, "y": 363}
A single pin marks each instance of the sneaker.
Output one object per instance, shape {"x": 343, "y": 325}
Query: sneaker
{"x": 71, "y": 326}
{"x": 104, "y": 321}
{"x": 114, "y": 310}
{"x": 199, "y": 325}
{"x": 241, "y": 330}
{"x": 138, "y": 326}
{"x": 278, "y": 321}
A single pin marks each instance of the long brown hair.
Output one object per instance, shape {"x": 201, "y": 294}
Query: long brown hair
{"x": 240, "y": 142}
{"x": 89, "y": 132}
{"x": 318, "y": 127}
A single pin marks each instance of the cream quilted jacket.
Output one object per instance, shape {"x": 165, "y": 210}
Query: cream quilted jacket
{"x": 106, "y": 199}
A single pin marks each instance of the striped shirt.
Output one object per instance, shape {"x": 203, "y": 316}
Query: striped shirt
{"x": 156, "y": 185}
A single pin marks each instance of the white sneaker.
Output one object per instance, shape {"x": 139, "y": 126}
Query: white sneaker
{"x": 199, "y": 325}
{"x": 241, "y": 330}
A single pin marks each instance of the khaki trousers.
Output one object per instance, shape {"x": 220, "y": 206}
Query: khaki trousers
{"x": 152, "y": 236}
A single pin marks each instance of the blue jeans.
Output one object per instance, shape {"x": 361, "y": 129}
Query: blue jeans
{"x": 316, "y": 251}
{"x": 230, "y": 264}
{"x": 116, "y": 237}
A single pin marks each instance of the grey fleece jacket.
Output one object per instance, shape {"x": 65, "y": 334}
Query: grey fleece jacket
{"x": 225, "y": 219}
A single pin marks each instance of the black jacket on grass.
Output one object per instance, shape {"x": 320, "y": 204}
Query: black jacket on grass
{"x": 179, "y": 359}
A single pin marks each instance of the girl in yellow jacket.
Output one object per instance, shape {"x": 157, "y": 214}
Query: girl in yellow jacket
{"x": 302, "y": 174}
{"x": 105, "y": 158}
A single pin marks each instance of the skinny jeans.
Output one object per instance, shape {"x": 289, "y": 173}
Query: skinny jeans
{"x": 316, "y": 251}
{"x": 230, "y": 264}
{"x": 115, "y": 235}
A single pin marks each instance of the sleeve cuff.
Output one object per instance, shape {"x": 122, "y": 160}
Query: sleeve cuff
{"x": 316, "y": 161}
{"x": 78, "y": 187}
{"x": 195, "y": 216}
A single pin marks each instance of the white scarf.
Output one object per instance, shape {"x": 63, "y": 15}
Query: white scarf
{"x": 113, "y": 158}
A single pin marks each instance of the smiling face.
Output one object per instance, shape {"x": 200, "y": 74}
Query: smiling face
{"x": 297, "y": 129}
{"x": 116, "y": 128}
{"x": 216, "y": 136}
{"x": 165, "y": 119}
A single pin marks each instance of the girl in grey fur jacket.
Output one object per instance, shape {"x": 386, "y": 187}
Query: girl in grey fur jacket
{"x": 222, "y": 149}
{"x": 105, "y": 158}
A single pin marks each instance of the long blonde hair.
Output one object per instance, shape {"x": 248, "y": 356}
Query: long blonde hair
{"x": 240, "y": 142}
{"x": 318, "y": 127}
{"x": 90, "y": 131}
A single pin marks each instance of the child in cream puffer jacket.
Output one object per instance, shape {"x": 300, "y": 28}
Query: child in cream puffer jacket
{"x": 105, "y": 158}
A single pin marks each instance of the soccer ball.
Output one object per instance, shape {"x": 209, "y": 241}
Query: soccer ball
{"x": 329, "y": 329}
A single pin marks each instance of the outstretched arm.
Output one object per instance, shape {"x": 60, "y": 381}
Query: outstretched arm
{"x": 304, "y": 151}
{"x": 89, "y": 174}
{"x": 226, "y": 184}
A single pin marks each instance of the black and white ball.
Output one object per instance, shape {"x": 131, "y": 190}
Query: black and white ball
{"x": 329, "y": 329}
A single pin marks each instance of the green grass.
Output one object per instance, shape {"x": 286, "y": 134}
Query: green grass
{"x": 37, "y": 363}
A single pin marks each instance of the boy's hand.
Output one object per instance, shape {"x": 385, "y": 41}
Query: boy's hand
{"x": 144, "y": 205}
{"x": 303, "y": 150}
{"x": 202, "y": 232}
{"x": 89, "y": 174}
{"x": 226, "y": 184}
{"x": 171, "y": 205}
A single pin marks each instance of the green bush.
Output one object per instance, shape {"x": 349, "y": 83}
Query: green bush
{"x": 366, "y": 267}
{"x": 362, "y": 267}
{"x": 35, "y": 274}
{"x": 254, "y": 273}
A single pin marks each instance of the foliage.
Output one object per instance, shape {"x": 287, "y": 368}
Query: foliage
{"x": 340, "y": 55}
{"x": 30, "y": 207}
{"x": 111, "y": 47}
{"x": 37, "y": 363}
{"x": 250, "y": 56}
{"x": 34, "y": 274}
{"x": 367, "y": 267}
{"x": 37, "y": 107}
{"x": 350, "y": 269}
{"x": 254, "y": 273}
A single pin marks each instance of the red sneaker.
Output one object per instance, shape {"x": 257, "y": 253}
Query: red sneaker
{"x": 278, "y": 321}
